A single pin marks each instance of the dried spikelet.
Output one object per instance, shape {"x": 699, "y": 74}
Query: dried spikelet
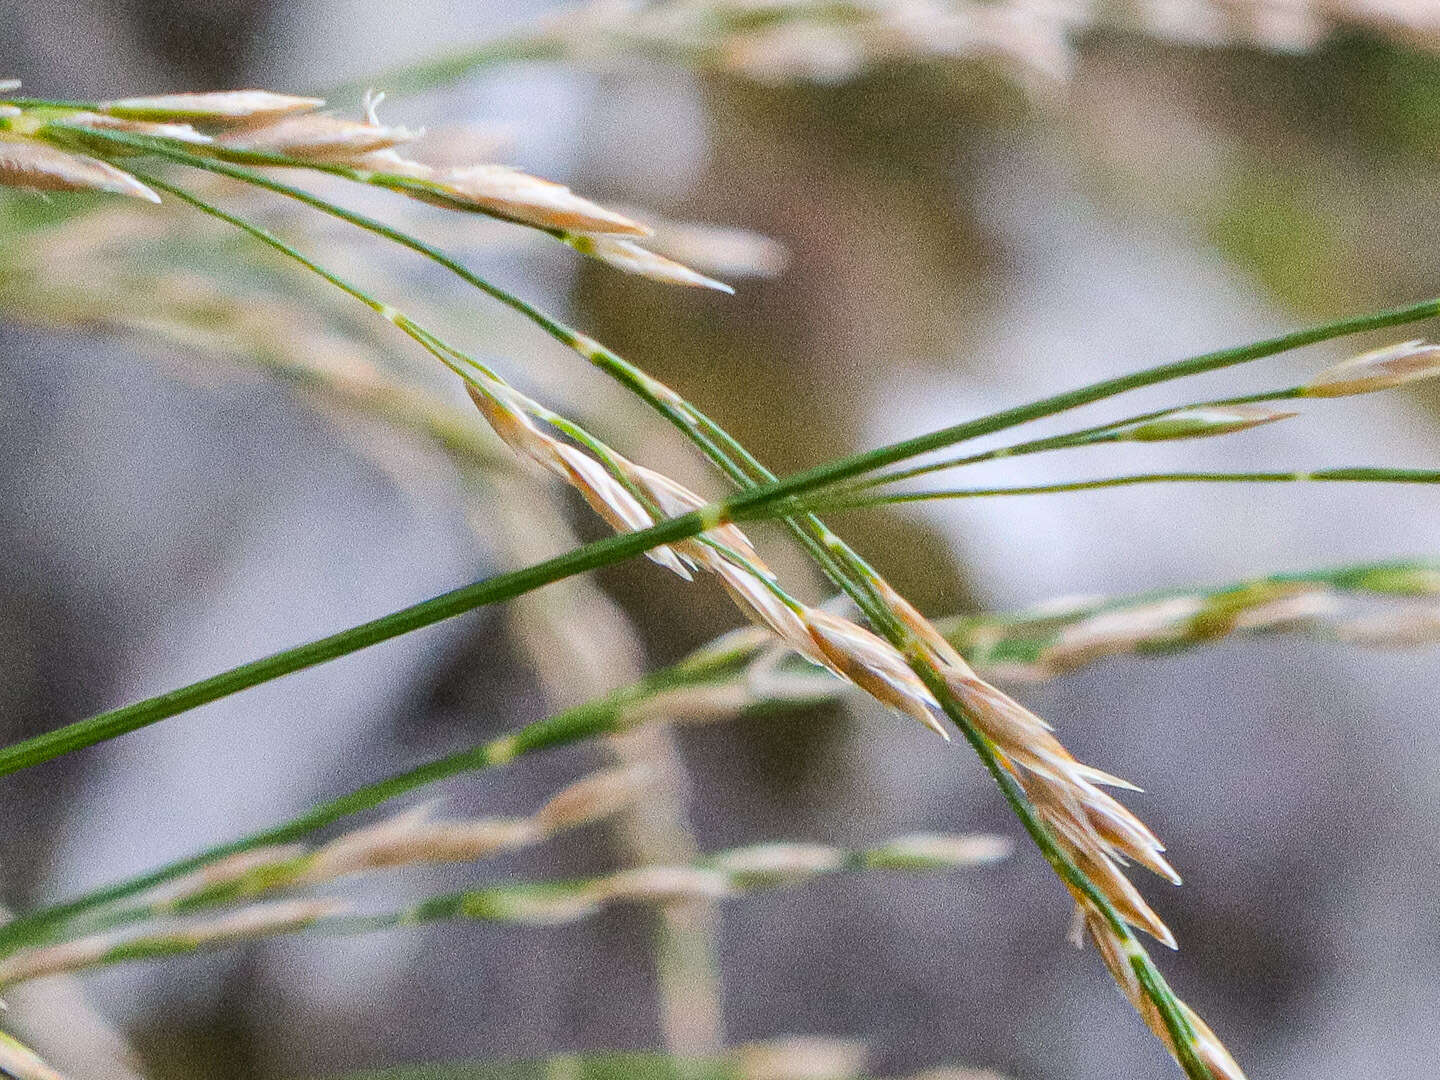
{"x": 780, "y": 860}
{"x": 608, "y": 498}
{"x": 1201, "y": 422}
{"x": 178, "y": 132}
{"x": 659, "y": 885}
{"x": 224, "y": 107}
{"x": 874, "y": 665}
{"x": 509, "y": 193}
{"x": 233, "y": 867}
{"x": 320, "y": 137}
{"x": 502, "y": 408}
{"x": 19, "y": 1061}
{"x": 258, "y": 920}
{"x": 1406, "y": 628}
{"x": 1379, "y": 369}
{"x": 1114, "y": 633}
{"x": 633, "y": 259}
{"x": 761, "y": 605}
{"x": 410, "y": 838}
{"x": 531, "y": 907}
{"x": 1207, "y": 1047}
{"x": 593, "y": 797}
{"x": 675, "y": 500}
{"x": 800, "y": 1057}
{"x": 1093, "y": 828}
{"x": 44, "y": 168}
{"x": 694, "y": 704}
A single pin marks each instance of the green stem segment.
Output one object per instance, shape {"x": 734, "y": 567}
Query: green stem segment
{"x": 108, "y": 725}
{"x": 857, "y": 499}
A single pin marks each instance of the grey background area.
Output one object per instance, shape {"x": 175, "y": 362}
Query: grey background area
{"x": 948, "y": 256}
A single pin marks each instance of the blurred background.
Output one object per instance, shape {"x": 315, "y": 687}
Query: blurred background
{"x": 1012, "y": 200}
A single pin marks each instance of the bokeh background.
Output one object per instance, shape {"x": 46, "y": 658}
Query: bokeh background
{"x": 1122, "y": 185}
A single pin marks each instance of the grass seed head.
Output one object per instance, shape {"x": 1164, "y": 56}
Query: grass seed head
{"x": 507, "y": 193}
{"x": 1202, "y": 422}
{"x": 320, "y": 137}
{"x": 874, "y": 665}
{"x": 224, "y": 107}
{"x": 1379, "y": 369}
{"x": 39, "y": 167}
{"x": 633, "y": 259}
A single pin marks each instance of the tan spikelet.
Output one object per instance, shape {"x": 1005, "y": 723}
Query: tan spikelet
{"x": 633, "y": 259}
{"x": 44, "y": 168}
{"x": 224, "y": 107}
{"x": 512, "y": 194}
{"x": 875, "y": 666}
{"x": 320, "y": 137}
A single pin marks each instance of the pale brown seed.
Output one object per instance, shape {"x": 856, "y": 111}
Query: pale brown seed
{"x": 874, "y": 665}
{"x": 44, "y": 168}
{"x": 1379, "y": 369}
{"x": 231, "y": 106}
{"x": 320, "y": 137}
{"x": 512, "y": 194}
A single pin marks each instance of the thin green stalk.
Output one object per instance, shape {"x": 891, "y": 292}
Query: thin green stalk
{"x": 540, "y": 903}
{"x": 849, "y": 499}
{"x": 1097, "y": 434}
{"x": 108, "y": 725}
{"x": 602, "y": 716}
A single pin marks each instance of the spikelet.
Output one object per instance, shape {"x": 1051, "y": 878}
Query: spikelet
{"x": 504, "y": 409}
{"x": 1093, "y": 828}
{"x": 1201, "y": 422}
{"x": 6, "y": 85}
{"x": 255, "y": 921}
{"x": 633, "y": 259}
{"x": 1206, "y": 1046}
{"x": 875, "y": 666}
{"x": 320, "y": 137}
{"x": 507, "y": 193}
{"x": 19, "y": 1061}
{"x": 224, "y": 107}
{"x": 44, "y": 168}
{"x": 101, "y": 122}
{"x": 1379, "y": 369}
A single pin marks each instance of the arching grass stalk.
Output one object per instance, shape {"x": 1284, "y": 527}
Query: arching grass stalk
{"x": 871, "y": 593}
{"x": 1028, "y": 638}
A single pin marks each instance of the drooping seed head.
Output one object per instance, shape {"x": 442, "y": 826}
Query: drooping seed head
{"x": 1379, "y": 369}
{"x": 1201, "y": 422}
{"x": 224, "y": 107}
{"x": 44, "y": 168}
